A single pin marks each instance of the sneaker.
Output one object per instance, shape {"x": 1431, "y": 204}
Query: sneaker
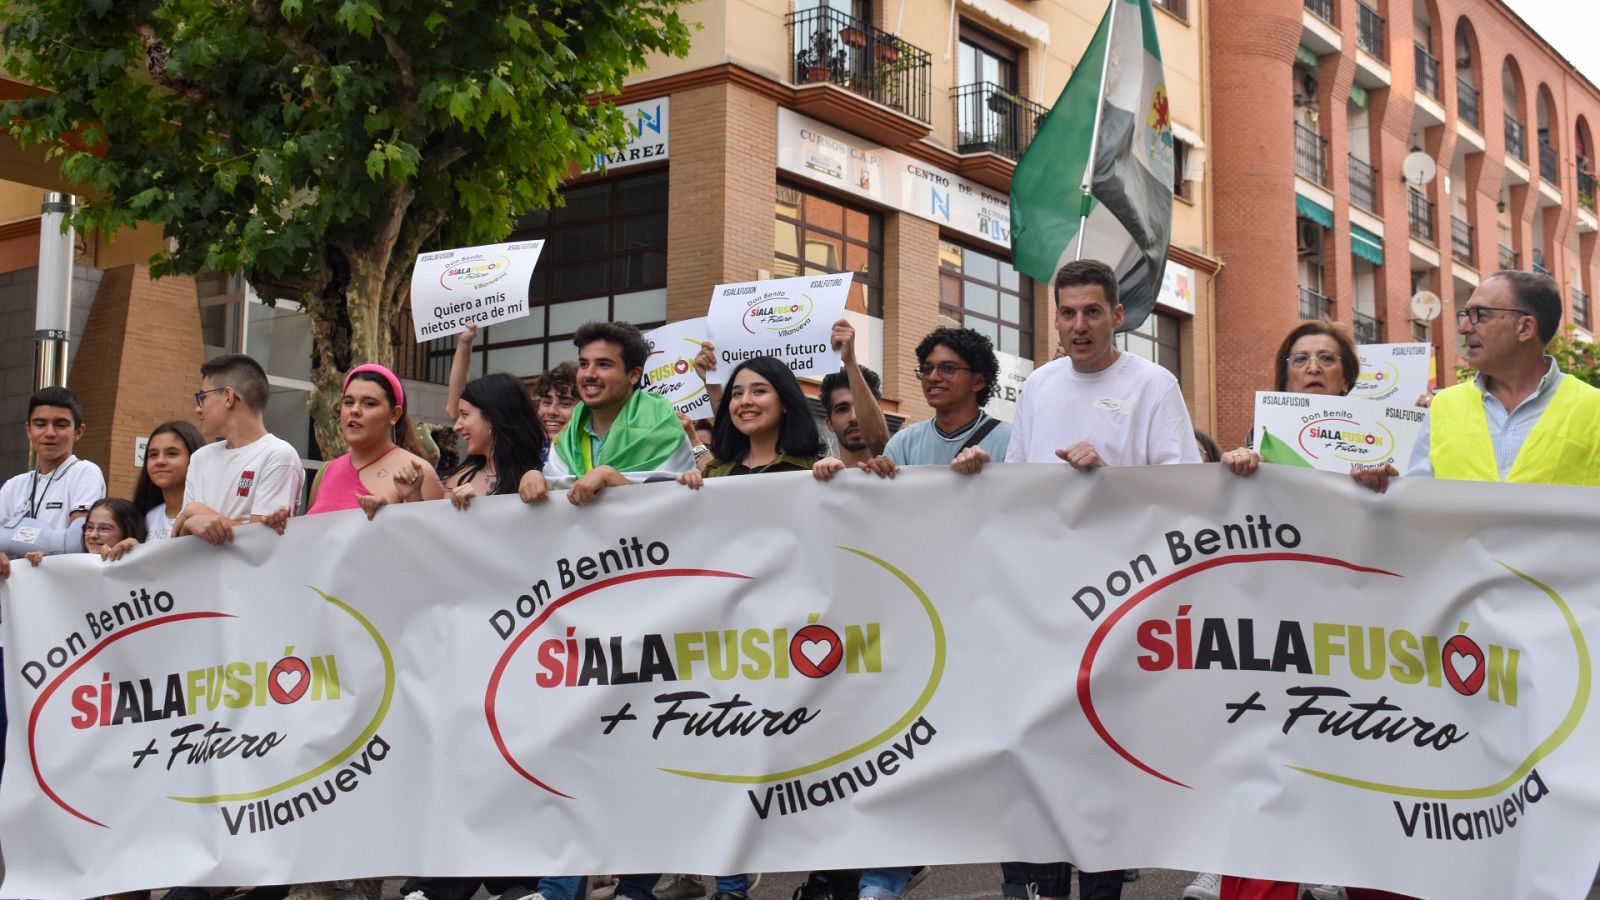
{"x": 1325, "y": 891}
{"x": 1205, "y": 886}
{"x": 1129, "y": 876}
{"x": 602, "y": 887}
{"x": 1019, "y": 892}
{"x": 679, "y": 886}
{"x": 514, "y": 892}
{"x": 815, "y": 887}
{"x": 918, "y": 876}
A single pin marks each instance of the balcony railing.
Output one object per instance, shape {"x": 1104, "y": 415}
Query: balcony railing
{"x": 1580, "y": 308}
{"x": 1467, "y": 102}
{"x": 1363, "y": 185}
{"x": 1366, "y": 329}
{"x": 1547, "y": 165}
{"x": 834, "y": 48}
{"x": 1310, "y": 150}
{"x": 1586, "y": 190}
{"x": 1322, "y": 9}
{"x": 1420, "y": 211}
{"x": 1313, "y": 305}
{"x": 1461, "y": 241}
{"x": 990, "y": 118}
{"x": 1369, "y": 30}
{"x": 1510, "y": 260}
{"x": 1538, "y": 263}
{"x": 1427, "y": 71}
{"x": 1516, "y": 139}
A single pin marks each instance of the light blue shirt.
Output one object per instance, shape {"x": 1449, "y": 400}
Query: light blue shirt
{"x": 922, "y": 444}
{"x": 1508, "y": 429}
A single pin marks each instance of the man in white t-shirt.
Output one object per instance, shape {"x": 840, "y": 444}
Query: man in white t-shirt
{"x": 248, "y": 475}
{"x": 1097, "y": 406}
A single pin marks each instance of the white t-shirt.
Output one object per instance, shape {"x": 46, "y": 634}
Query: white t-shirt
{"x": 158, "y": 523}
{"x": 71, "y": 487}
{"x": 257, "y": 479}
{"x": 1131, "y": 412}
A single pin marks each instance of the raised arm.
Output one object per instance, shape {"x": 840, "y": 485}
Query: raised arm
{"x": 460, "y": 368}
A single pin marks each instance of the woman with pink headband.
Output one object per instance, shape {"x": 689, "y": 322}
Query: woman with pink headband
{"x": 384, "y": 464}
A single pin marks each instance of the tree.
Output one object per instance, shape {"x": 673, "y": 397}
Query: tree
{"x": 318, "y": 145}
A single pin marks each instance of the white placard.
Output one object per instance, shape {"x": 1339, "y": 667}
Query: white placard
{"x": 1335, "y": 433}
{"x": 789, "y": 318}
{"x": 669, "y": 370}
{"x": 1393, "y": 373}
{"x": 140, "y": 445}
{"x": 1014, "y": 370}
{"x": 452, "y": 289}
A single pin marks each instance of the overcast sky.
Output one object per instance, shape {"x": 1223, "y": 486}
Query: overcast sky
{"x": 1571, "y": 26}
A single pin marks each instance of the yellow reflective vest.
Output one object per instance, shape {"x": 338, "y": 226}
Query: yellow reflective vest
{"x": 1562, "y": 448}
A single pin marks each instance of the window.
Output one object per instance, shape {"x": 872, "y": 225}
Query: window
{"x": 984, "y": 293}
{"x": 817, "y": 235}
{"x": 1179, "y": 8}
{"x": 1157, "y": 341}
{"x": 986, "y": 59}
{"x": 1181, "y": 183}
{"x": 604, "y": 259}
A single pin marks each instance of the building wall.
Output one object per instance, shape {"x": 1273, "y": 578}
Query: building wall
{"x": 18, "y": 298}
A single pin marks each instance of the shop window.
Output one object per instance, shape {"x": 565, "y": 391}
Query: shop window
{"x": 983, "y": 292}
{"x": 1157, "y": 341}
{"x": 814, "y": 234}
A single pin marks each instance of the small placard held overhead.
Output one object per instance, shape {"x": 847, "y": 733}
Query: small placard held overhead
{"x": 452, "y": 289}
{"x": 789, "y": 318}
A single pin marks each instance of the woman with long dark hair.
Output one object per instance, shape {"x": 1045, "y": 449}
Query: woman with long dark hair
{"x": 159, "y": 491}
{"x": 764, "y": 424}
{"x": 500, "y": 435}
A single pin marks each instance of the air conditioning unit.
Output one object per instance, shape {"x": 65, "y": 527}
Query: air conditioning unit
{"x": 1307, "y": 238}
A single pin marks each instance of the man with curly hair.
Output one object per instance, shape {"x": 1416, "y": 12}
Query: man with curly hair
{"x": 958, "y": 369}
{"x": 1097, "y": 406}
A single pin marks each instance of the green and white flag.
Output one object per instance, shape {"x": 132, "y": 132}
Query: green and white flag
{"x": 1127, "y": 218}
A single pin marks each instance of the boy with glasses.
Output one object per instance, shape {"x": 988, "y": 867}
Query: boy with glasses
{"x": 958, "y": 369}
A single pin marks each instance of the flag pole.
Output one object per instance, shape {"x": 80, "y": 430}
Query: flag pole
{"x": 1094, "y": 136}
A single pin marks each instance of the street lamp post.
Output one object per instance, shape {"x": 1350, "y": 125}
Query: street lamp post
{"x": 53, "y": 309}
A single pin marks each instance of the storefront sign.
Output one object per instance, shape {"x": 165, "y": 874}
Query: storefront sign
{"x": 1177, "y": 288}
{"x": 650, "y": 136}
{"x": 1014, "y": 370}
{"x": 825, "y": 154}
{"x": 452, "y": 289}
{"x": 789, "y": 318}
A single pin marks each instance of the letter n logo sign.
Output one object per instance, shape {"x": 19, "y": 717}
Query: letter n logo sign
{"x": 941, "y": 203}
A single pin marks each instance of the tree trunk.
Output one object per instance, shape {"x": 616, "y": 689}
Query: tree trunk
{"x": 347, "y": 329}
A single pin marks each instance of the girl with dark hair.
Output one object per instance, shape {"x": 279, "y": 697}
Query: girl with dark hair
{"x": 501, "y": 436}
{"x": 159, "y": 491}
{"x": 384, "y": 464}
{"x": 114, "y": 527}
{"x": 764, "y": 424}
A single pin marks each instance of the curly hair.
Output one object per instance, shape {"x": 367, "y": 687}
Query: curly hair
{"x": 561, "y": 379}
{"x": 974, "y": 349}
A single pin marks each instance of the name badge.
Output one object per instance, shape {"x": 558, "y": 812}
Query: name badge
{"x": 1112, "y": 404}
{"x": 29, "y": 535}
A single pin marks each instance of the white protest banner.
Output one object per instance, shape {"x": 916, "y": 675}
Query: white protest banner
{"x": 789, "y": 318}
{"x": 1335, "y": 433}
{"x": 452, "y": 289}
{"x": 1394, "y": 373}
{"x": 669, "y": 370}
{"x": 1284, "y": 676}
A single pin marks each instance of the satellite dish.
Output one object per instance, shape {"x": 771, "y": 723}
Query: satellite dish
{"x": 1426, "y": 306}
{"x": 1418, "y": 168}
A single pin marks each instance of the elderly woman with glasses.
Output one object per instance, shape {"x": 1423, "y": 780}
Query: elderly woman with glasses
{"x": 1317, "y": 357}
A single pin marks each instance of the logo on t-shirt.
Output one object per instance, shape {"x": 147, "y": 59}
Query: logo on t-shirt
{"x": 247, "y": 480}
{"x": 53, "y": 504}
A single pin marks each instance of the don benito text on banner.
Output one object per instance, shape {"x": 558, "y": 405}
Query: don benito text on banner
{"x": 1096, "y": 181}
{"x": 1279, "y": 676}
{"x": 452, "y": 289}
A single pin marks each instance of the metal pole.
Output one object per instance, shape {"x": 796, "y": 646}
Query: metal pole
{"x": 1094, "y": 136}
{"x": 53, "y": 307}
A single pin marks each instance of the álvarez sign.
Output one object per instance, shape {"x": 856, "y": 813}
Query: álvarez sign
{"x": 1281, "y": 676}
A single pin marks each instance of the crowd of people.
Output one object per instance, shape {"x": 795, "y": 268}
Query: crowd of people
{"x": 589, "y": 429}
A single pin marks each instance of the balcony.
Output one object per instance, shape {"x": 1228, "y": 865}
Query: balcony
{"x": 1419, "y": 210}
{"x": 1580, "y": 309}
{"x": 1461, "y": 241}
{"x": 1427, "y": 71}
{"x": 1363, "y": 185}
{"x": 1516, "y": 139}
{"x": 1467, "y": 102}
{"x": 1369, "y": 30}
{"x": 1310, "y": 152}
{"x": 1366, "y": 329}
{"x": 990, "y": 119}
{"x": 1586, "y": 190}
{"x": 1547, "y": 165}
{"x": 832, "y": 48}
{"x": 1322, "y": 9}
{"x": 1509, "y": 259}
{"x": 1313, "y": 305}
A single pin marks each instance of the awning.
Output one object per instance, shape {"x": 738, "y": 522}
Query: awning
{"x": 1023, "y": 23}
{"x": 1301, "y": 54}
{"x": 1311, "y": 209}
{"x": 1358, "y": 95}
{"x": 1366, "y": 245}
{"x": 1194, "y": 161}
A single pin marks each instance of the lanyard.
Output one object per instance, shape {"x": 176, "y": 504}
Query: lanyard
{"x": 35, "y": 497}
{"x": 587, "y": 446}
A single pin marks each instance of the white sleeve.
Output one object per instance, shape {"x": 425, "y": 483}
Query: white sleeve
{"x": 1017, "y": 451}
{"x": 1172, "y": 431}
{"x": 86, "y": 488}
{"x": 193, "y": 480}
{"x": 278, "y": 484}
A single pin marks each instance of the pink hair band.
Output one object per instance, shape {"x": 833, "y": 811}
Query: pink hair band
{"x": 374, "y": 368}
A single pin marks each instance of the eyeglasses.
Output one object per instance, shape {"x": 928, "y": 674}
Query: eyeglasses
{"x": 1301, "y": 360}
{"x": 1476, "y": 314}
{"x": 200, "y": 396}
{"x": 99, "y": 529}
{"x": 947, "y": 369}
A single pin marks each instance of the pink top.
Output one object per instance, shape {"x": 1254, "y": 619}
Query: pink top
{"x": 341, "y": 487}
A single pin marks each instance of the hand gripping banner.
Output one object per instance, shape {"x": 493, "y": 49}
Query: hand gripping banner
{"x": 1282, "y": 676}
